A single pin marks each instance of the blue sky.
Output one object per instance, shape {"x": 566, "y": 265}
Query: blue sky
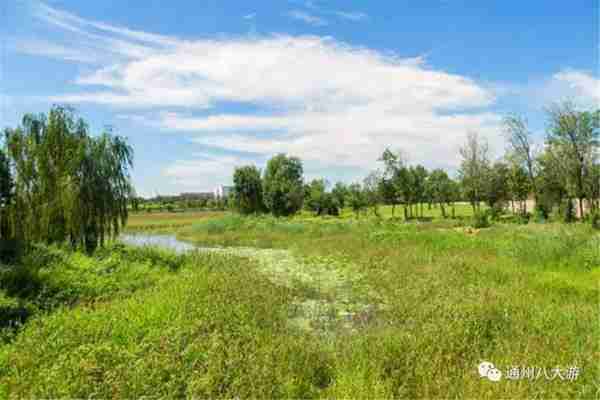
{"x": 202, "y": 87}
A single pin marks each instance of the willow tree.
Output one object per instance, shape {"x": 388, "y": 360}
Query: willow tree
{"x": 68, "y": 185}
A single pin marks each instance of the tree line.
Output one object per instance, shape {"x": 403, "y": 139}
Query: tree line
{"x": 561, "y": 173}
{"x": 58, "y": 183}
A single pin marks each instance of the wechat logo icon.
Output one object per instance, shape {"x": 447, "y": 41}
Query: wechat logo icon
{"x": 488, "y": 370}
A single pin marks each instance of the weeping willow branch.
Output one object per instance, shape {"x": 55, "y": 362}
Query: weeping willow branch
{"x": 68, "y": 185}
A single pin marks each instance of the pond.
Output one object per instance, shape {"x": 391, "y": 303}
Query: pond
{"x": 331, "y": 300}
{"x": 169, "y": 242}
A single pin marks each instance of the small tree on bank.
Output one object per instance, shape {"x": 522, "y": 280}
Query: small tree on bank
{"x": 283, "y": 189}
{"x": 247, "y": 190}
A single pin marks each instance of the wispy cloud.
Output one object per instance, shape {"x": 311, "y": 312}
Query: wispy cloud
{"x": 249, "y": 16}
{"x": 326, "y": 101}
{"x": 352, "y": 16}
{"x": 54, "y": 50}
{"x": 307, "y": 18}
{"x": 579, "y": 84}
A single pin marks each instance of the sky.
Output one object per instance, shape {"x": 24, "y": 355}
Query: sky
{"x": 200, "y": 87}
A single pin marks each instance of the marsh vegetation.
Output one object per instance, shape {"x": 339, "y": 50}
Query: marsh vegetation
{"x": 299, "y": 290}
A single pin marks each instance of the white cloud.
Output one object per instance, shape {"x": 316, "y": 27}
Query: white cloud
{"x": 249, "y": 16}
{"x": 580, "y": 84}
{"x": 330, "y": 103}
{"x": 306, "y": 17}
{"x": 203, "y": 173}
{"x": 53, "y": 50}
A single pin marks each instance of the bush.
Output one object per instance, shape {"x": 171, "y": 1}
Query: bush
{"x": 595, "y": 220}
{"x": 523, "y": 218}
{"x": 480, "y": 220}
{"x": 541, "y": 213}
{"x": 496, "y": 212}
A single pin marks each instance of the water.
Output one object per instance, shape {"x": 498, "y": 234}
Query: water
{"x": 169, "y": 242}
{"x": 331, "y": 306}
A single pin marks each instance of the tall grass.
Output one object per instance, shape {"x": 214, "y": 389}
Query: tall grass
{"x": 432, "y": 300}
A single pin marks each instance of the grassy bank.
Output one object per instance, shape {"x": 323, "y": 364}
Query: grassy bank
{"x": 315, "y": 307}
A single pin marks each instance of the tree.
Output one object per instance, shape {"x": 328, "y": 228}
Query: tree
{"x": 339, "y": 193}
{"x": 519, "y": 186}
{"x": 391, "y": 180}
{"x": 247, "y": 193}
{"x": 441, "y": 189}
{"x": 474, "y": 168}
{"x": 282, "y": 185}
{"x": 68, "y": 185}
{"x": 405, "y": 188}
{"x": 356, "y": 198}
{"x": 497, "y": 188}
{"x": 372, "y": 193}
{"x": 388, "y": 193}
{"x": 315, "y": 194}
{"x": 552, "y": 182}
{"x": 419, "y": 182}
{"x": 576, "y": 135}
{"x": 520, "y": 141}
{"x": 318, "y": 200}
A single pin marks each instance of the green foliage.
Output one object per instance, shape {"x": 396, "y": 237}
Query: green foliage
{"x": 480, "y": 219}
{"x": 68, "y": 185}
{"x": 339, "y": 193}
{"x": 518, "y": 183}
{"x": 595, "y": 220}
{"x": 569, "y": 213}
{"x": 318, "y": 200}
{"x": 496, "y": 212}
{"x": 356, "y": 198}
{"x": 282, "y": 185}
{"x": 310, "y": 308}
{"x": 247, "y": 190}
{"x": 541, "y": 212}
{"x": 498, "y": 186}
{"x": 474, "y": 168}
{"x": 6, "y": 195}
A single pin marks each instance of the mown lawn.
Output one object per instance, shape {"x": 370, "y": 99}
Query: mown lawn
{"x": 341, "y": 308}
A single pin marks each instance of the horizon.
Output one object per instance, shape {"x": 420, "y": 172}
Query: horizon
{"x": 199, "y": 89}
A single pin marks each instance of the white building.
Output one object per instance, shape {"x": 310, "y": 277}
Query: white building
{"x": 222, "y": 192}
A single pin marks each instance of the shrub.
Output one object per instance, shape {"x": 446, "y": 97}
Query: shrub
{"x": 523, "y": 218}
{"x": 496, "y": 212}
{"x": 480, "y": 220}
{"x": 595, "y": 219}
{"x": 541, "y": 213}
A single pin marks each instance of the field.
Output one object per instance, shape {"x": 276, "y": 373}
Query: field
{"x": 309, "y": 307}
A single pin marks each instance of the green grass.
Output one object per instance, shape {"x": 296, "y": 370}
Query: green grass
{"x": 313, "y": 307}
{"x": 167, "y": 221}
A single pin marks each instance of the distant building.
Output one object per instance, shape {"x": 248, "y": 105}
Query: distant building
{"x": 222, "y": 192}
{"x": 196, "y": 195}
